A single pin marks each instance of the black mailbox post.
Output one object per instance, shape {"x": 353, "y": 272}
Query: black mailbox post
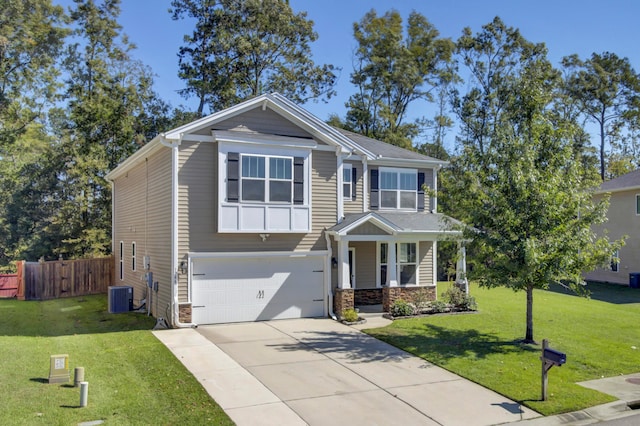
{"x": 550, "y": 357}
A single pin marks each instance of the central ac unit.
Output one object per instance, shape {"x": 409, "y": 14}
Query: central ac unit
{"x": 120, "y": 299}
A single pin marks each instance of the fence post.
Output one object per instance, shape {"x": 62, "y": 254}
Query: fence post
{"x": 20, "y": 273}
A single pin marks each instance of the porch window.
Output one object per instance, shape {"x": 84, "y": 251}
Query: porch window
{"x": 266, "y": 178}
{"x": 406, "y": 263}
{"x": 398, "y": 188}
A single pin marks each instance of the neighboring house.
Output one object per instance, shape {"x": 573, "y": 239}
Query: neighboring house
{"x": 263, "y": 211}
{"x": 623, "y": 219}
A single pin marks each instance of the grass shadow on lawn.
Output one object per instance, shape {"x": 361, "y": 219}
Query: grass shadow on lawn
{"x": 440, "y": 344}
{"x": 65, "y": 317}
{"x": 605, "y": 292}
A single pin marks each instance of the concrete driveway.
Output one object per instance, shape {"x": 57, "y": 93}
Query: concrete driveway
{"x": 321, "y": 372}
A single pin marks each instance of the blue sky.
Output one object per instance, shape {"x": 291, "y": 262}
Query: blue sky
{"x": 565, "y": 26}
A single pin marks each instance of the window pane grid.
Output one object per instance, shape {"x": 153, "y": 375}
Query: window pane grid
{"x": 264, "y": 180}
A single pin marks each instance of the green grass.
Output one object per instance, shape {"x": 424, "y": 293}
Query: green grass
{"x": 133, "y": 378}
{"x": 600, "y": 336}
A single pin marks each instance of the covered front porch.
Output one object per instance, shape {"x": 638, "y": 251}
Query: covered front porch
{"x": 378, "y": 258}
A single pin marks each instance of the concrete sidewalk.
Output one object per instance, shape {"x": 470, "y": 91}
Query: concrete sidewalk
{"x": 321, "y": 372}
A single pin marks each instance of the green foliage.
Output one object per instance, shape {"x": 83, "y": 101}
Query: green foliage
{"x": 393, "y": 69}
{"x": 607, "y": 91}
{"x": 401, "y": 308}
{"x": 459, "y": 299}
{"x": 518, "y": 184}
{"x": 439, "y": 306}
{"x": 240, "y": 49}
{"x": 350, "y": 315}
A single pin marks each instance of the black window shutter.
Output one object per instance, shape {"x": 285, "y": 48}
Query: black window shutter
{"x": 298, "y": 180}
{"x": 233, "y": 176}
{"x": 373, "y": 195}
{"x": 354, "y": 176}
{"x": 420, "y": 192}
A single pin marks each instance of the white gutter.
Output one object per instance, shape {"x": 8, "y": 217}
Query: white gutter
{"x": 175, "y": 311}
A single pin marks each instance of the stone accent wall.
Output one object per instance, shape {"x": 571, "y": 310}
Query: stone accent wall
{"x": 342, "y": 300}
{"x": 184, "y": 313}
{"x": 391, "y": 294}
{"x": 368, "y": 296}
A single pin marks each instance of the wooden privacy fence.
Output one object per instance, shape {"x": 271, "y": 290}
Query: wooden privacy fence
{"x": 64, "y": 278}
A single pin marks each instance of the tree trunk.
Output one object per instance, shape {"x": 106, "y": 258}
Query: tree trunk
{"x": 529, "y": 334}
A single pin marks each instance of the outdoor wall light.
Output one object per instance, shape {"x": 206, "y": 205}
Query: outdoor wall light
{"x": 334, "y": 262}
{"x": 184, "y": 266}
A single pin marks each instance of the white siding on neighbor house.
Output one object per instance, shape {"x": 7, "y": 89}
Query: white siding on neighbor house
{"x": 622, "y": 220}
{"x": 142, "y": 213}
{"x": 197, "y": 209}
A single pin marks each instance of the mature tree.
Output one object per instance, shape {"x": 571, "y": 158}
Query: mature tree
{"x": 394, "y": 68}
{"x": 517, "y": 183}
{"x": 109, "y": 116}
{"x": 607, "y": 88}
{"x": 242, "y": 48}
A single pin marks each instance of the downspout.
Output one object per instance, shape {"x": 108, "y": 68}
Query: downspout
{"x": 174, "y": 231}
{"x": 328, "y": 279}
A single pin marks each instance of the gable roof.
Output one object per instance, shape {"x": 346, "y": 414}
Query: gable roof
{"x": 400, "y": 223}
{"x": 626, "y": 182}
{"x": 348, "y": 142}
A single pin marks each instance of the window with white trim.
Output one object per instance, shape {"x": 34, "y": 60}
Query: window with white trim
{"x": 266, "y": 178}
{"x": 615, "y": 261}
{"x": 133, "y": 256}
{"x": 121, "y": 260}
{"x": 398, "y": 188}
{"x": 406, "y": 261}
{"x": 637, "y": 204}
{"x": 347, "y": 181}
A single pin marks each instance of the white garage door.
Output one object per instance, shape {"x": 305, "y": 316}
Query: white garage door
{"x": 242, "y": 289}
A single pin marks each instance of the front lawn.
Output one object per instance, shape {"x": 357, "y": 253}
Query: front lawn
{"x": 133, "y": 378}
{"x": 600, "y": 336}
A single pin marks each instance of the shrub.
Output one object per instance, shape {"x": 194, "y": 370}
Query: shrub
{"x": 350, "y": 315}
{"x": 454, "y": 296}
{"x": 439, "y": 306}
{"x": 469, "y": 303}
{"x": 400, "y": 308}
{"x": 421, "y": 299}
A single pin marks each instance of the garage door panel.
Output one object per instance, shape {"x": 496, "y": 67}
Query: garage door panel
{"x": 250, "y": 289}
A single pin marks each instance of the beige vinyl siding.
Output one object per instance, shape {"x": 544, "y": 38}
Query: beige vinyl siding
{"x": 259, "y": 121}
{"x": 622, "y": 220}
{"x": 367, "y": 228}
{"x": 197, "y": 209}
{"x": 142, "y": 213}
{"x": 350, "y": 205}
{"x": 425, "y": 257}
{"x": 366, "y": 261}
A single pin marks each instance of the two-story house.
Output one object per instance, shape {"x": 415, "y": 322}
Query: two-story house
{"x": 623, "y": 220}
{"x": 263, "y": 211}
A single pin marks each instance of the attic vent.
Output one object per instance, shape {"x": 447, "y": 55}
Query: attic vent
{"x": 120, "y": 299}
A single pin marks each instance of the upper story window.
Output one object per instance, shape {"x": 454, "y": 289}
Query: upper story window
{"x": 264, "y": 189}
{"x": 266, "y": 178}
{"x": 638, "y": 204}
{"x": 347, "y": 181}
{"x": 398, "y": 188}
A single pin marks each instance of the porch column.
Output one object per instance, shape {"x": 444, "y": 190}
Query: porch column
{"x": 461, "y": 269}
{"x": 344, "y": 280}
{"x": 392, "y": 272}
